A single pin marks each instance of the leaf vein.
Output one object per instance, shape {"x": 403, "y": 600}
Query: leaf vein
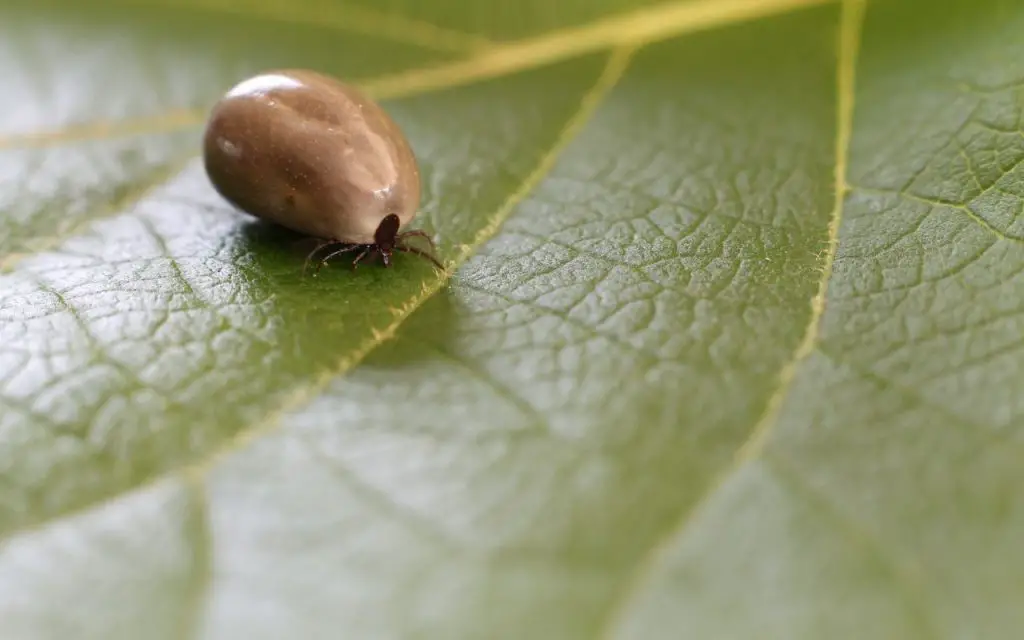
{"x": 587, "y": 329}
{"x": 905, "y": 578}
{"x": 916, "y": 399}
{"x": 637, "y": 28}
{"x": 631, "y": 29}
{"x": 201, "y": 577}
{"x": 613, "y": 71}
{"x": 10, "y": 261}
{"x": 353, "y": 19}
{"x": 300, "y": 396}
{"x": 940, "y": 202}
{"x": 851, "y": 21}
{"x": 535, "y": 419}
{"x": 378, "y": 499}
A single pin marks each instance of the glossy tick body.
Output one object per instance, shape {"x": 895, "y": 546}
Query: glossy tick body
{"x": 308, "y": 152}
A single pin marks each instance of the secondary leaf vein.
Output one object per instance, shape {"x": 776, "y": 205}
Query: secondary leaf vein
{"x": 904, "y": 576}
{"x": 10, "y": 261}
{"x": 613, "y": 71}
{"x": 616, "y": 66}
{"x": 633, "y": 29}
{"x": 342, "y": 17}
{"x": 851, "y": 20}
{"x": 201, "y": 537}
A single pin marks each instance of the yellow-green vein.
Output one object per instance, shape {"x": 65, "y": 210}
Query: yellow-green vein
{"x": 852, "y": 18}
{"x": 195, "y": 473}
{"x": 343, "y": 17}
{"x": 851, "y": 21}
{"x": 156, "y": 179}
{"x": 637, "y": 28}
{"x": 166, "y": 122}
{"x": 618, "y": 61}
{"x": 629, "y": 29}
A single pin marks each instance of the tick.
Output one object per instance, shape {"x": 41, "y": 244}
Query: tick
{"x": 308, "y": 152}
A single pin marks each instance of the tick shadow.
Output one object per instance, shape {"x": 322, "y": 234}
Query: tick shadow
{"x": 321, "y": 318}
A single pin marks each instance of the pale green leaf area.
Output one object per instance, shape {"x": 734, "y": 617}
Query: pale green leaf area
{"x": 508, "y": 20}
{"x": 729, "y": 345}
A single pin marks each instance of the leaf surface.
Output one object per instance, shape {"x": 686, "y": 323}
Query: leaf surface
{"x": 729, "y": 348}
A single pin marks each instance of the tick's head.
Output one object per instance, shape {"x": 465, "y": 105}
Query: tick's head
{"x": 386, "y": 234}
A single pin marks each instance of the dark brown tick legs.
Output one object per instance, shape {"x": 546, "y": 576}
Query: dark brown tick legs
{"x": 345, "y": 249}
{"x": 420, "y": 252}
{"x": 399, "y": 243}
{"x": 320, "y": 245}
{"x": 419, "y": 233}
{"x": 403, "y": 245}
{"x": 366, "y": 249}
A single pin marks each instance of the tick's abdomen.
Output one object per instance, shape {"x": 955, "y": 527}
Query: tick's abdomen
{"x": 304, "y": 151}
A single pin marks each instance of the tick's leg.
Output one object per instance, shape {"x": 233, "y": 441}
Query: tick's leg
{"x": 420, "y": 252}
{"x": 320, "y": 245}
{"x": 418, "y": 233}
{"x": 345, "y": 249}
{"x": 366, "y": 250}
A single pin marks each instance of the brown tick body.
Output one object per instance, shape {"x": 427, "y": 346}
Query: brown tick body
{"x": 307, "y": 152}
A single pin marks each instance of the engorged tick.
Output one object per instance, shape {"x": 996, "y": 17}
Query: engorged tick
{"x": 308, "y": 152}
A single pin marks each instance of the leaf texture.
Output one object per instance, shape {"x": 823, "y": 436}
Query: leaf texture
{"x": 728, "y": 347}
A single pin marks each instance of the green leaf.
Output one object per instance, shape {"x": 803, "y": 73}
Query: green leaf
{"x": 730, "y": 347}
